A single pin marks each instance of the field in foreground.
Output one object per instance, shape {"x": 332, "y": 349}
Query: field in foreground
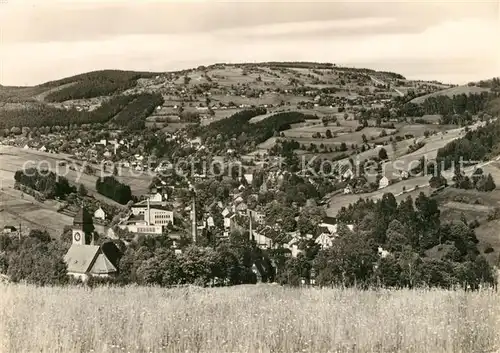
{"x": 246, "y": 319}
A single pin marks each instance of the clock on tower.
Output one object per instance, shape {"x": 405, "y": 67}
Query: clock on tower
{"x": 81, "y": 220}
{"x": 78, "y": 237}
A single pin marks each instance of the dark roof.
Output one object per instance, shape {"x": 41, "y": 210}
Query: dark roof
{"x": 82, "y": 217}
{"x": 330, "y": 220}
{"x": 11, "y": 228}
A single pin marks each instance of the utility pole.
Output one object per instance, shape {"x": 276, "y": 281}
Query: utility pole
{"x": 19, "y": 233}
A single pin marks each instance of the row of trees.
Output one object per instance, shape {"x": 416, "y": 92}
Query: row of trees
{"x": 150, "y": 261}
{"x": 46, "y": 182}
{"x": 478, "y": 181}
{"x": 448, "y": 106}
{"x": 477, "y": 145}
{"x": 47, "y": 116}
{"x": 238, "y": 133}
{"x": 134, "y": 115}
{"x": 112, "y": 188}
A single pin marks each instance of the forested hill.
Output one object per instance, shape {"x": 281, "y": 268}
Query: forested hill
{"x": 137, "y": 100}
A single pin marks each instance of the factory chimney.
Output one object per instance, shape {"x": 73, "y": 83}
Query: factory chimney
{"x": 193, "y": 218}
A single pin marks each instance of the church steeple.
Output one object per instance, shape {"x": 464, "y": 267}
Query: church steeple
{"x": 82, "y": 225}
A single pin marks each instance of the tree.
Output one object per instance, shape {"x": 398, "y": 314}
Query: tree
{"x": 328, "y": 134}
{"x": 396, "y": 236}
{"x": 486, "y": 184}
{"x": 38, "y": 262}
{"x": 348, "y": 262}
{"x": 82, "y": 190}
{"x": 382, "y": 154}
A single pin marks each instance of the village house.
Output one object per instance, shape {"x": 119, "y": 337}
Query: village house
{"x": 383, "y": 182}
{"x": 100, "y": 214}
{"x": 258, "y": 217}
{"x": 348, "y": 190}
{"x": 9, "y": 229}
{"x": 230, "y": 223}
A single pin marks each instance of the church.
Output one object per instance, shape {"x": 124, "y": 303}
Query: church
{"x": 84, "y": 259}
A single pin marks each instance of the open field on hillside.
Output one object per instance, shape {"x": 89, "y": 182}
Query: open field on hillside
{"x": 308, "y": 131}
{"x": 13, "y": 159}
{"x": 252, "y": 319}
{"x": 432, "y": 145}
{"x": 341, "y": 200}
{"x": 27, "y": 211}
{"x": 450, "y": 92}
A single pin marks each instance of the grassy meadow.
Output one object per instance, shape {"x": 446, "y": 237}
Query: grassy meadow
{"x": 262, "y": 318}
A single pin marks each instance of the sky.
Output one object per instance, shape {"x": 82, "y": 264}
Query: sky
{"x": 448, "y": 41}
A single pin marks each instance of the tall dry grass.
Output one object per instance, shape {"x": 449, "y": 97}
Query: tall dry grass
{"x": 246, "y": 319}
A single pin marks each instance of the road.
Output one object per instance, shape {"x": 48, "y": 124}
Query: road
{"x": 379, "y": 82}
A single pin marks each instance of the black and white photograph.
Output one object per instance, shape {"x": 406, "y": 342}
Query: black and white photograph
{"x": 249, "y": 176}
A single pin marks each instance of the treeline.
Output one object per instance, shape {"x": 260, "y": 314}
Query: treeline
{"x": 314, "y": 65}
{"x": 134, "y": 115}
{"x": 477, "y": 145}
{"x": 112, "y": 188}
{"x": 150, "y": 261}
{"x": 46, "y": 182}
{"x": 445, "y": 105}
{"x": 94, "y": 84}
{"x": 35, "y": 259}
{"x": 238, "y": 133}
{"x": 420, "y": 251}
{"x": 44, "y": 115}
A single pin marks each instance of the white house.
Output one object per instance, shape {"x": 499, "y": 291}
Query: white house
{"x": 248, "y": 178}
{"x": 100, "y": 214}
{"x": 262, "y": 241}
{"x": 348, "y": 190}
{"x": 383, "y": 253}
{"x": 324, "y": 240}
{"x": 347, "y": 174}
{"x": 42, "y": 149}
{"x": 230, "y": 223}
{"x": 383, "y": 183}
{"x": 257, "y": 216}
{"x": 157, "y": 197}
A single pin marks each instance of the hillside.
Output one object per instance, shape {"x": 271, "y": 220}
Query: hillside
{"x": 210, "y": 93}
{"x": 450, "y": 92}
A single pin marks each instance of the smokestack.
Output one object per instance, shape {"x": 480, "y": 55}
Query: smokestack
{"x": 251, "y": 230}
{"x": 193, "y": 218}
{"x": 149, "y": 214}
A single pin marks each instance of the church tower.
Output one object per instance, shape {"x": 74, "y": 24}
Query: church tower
{"x": 82, "y": 223}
